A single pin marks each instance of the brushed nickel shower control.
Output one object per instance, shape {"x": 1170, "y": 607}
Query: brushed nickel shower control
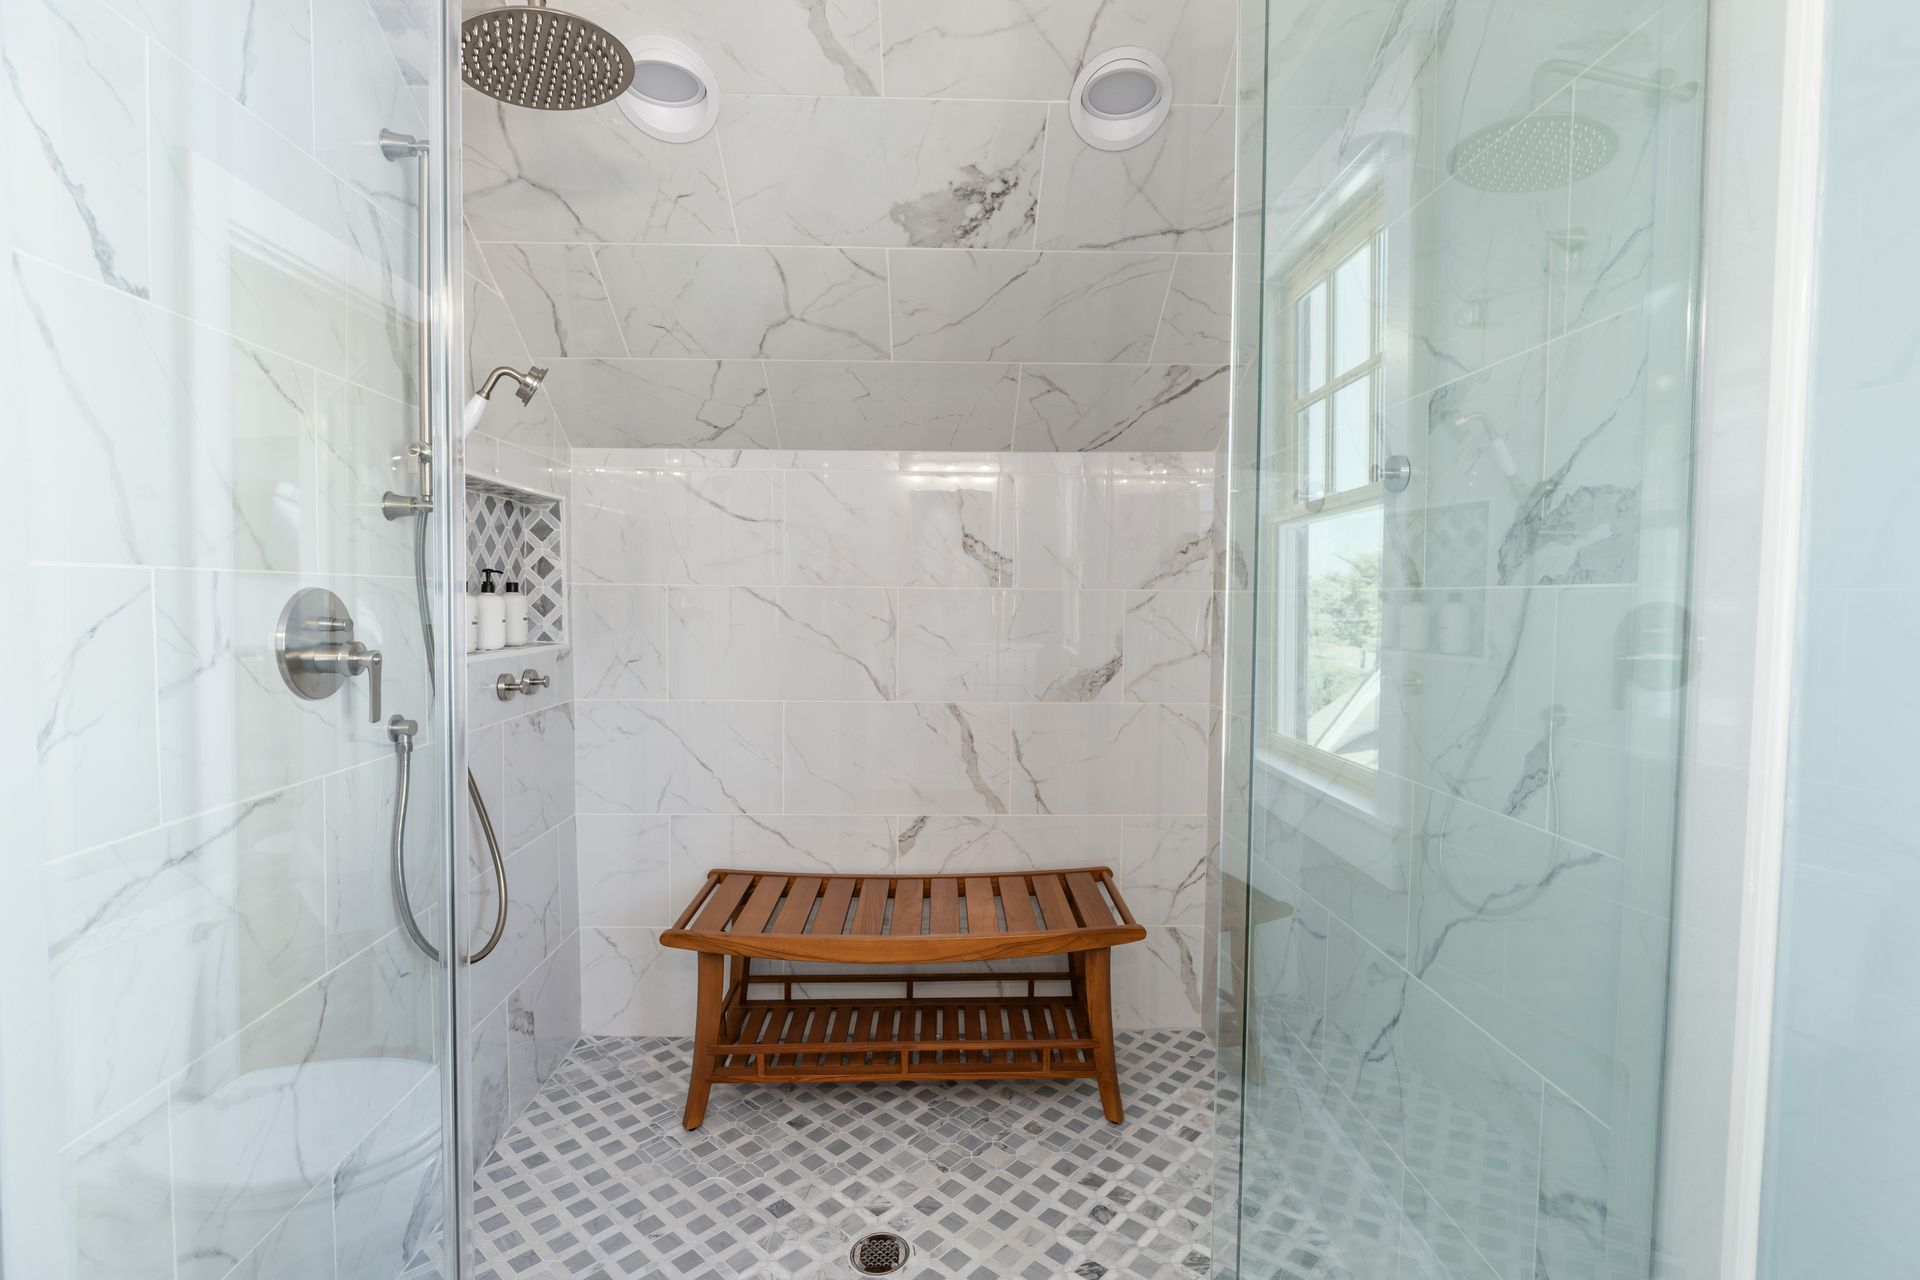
{"x": 529, "y": 680}
{"x": 315, "y": 648}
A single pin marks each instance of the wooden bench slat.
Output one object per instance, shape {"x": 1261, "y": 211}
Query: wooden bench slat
{"x": 1053, "y": 903}
{"x": 946, "y": 907}
{"x": 798, "y": 906}
{"x": 753, "y": 917}
{"x": 1017, "y": 899}
{"x": 831, "y": 920}
{"x": 983, "y": 910}
{"x": 1087, "y": 900}
{"x": 871, "y": 914}
{"x": 720, "y": 904}
{"x": 906, "y": 908}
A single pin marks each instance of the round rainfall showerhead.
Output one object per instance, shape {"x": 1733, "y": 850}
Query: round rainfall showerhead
{"x": 532, "y": 56}
{"x": 1534, "y": 153}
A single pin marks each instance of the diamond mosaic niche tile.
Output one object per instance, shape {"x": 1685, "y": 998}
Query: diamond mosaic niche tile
{"x": 1000, "y": 1180}
{"x": 525, "y": 541}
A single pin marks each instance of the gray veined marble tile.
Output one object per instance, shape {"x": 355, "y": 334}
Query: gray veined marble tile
{"x": 818, "y": 845}
{"x": 637, "y": 526}
{"x": 1062, "y": 646}
{"x": 623, "y": 871}
{"x": 950, "y": 643}
{"x": 299, "y": 1247}
{"x": 1156, "y": 982}
{"x": 1124, "y": 408}
{"x": 1197, "y": 322}
{"x": 487, "y": 1106}
{"x": 983, "y": 305}
{"x": 535, "y": 923}
{"x": 361, "y": 455}
{"x": 788, "y": 46}
{"x": 893, "y": 757}
{"x": 1162, "y": 532}
{"x": 892, "y": 529}
{"x": 620, "y": 641}
{"x": 388, "y": 1194}
{"x": 843, "y": 171}
{"x": 1169, "y": 635}
{"x": 77, "y": 140}
{"x": 540, "y": 761}
{"x": 640, "y": 404}
{"x": 953, "y": 845}
{"x": 384, "y": 299}
{"x": 749, "y": 302}
{"x": 679, "y": 757}
{"x": 558, "y": 300}
{"x": 492, "y": 339}
{"x": 1109, "y": 758}
{"x": 1173, "y": 191}
{"x": 1023, "y": 49}
{"x": 91, "y": 705}
{"x": 631, "y": 985}
{"x": 1324, "y": 53}
{"x": 893, "y": 405}
{"x": 359, "y": 89}
{"x": 589, "y": 176}
{"x": 1063, "y": 524}
{"x": 724, "y": 642}
{"x": 257, "y": 52}
{"x": 839, "y": 642}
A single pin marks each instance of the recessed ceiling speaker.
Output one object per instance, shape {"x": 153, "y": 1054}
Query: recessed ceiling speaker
{"x": 1120, "y": 98}
{"x": 674, "y": 96}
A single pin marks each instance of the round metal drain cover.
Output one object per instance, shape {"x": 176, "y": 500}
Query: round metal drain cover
{"x": 880, "y": 1253}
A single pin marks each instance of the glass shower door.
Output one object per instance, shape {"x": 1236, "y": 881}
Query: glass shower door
{"x": 1471, "y": 500}
{"x": 224, "y": 1054}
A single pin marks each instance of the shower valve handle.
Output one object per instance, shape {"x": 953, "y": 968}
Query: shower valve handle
{"x": 350, "y": 658}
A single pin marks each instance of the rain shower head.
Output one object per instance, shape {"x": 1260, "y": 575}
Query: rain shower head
{"x": 1533, "y": 153}
{"x": 532, "y": 56}
{"x": 1540, "y": 150}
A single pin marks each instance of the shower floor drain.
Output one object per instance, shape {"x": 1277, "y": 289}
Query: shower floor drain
{"x": 880, "y": 1253}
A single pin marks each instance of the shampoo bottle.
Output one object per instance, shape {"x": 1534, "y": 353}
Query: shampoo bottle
{"x": 1453, "y": 626}
{"x": 493, "y": 613}
{"x": 516, "y": 606}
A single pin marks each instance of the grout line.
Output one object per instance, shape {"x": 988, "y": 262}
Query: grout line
{"x": 1160, "y": 323}
{"x": 720, "y": 153}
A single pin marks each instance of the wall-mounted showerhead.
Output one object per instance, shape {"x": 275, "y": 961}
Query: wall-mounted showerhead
{"x": 532, "y": 56}
{"x": 528, "y": 383}
{"x": 1541, "y": 150}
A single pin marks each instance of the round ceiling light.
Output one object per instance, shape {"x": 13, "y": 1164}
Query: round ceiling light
{"x": 1120, "y": 98}
{"x": 673, "y": 97}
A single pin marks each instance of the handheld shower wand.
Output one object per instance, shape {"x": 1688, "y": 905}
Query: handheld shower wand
{"x": 477, "y": 403}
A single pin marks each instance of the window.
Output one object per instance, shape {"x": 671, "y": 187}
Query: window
{"x": 1325, "y": 532}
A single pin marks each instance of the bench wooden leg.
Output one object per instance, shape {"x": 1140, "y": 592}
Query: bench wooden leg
{"x": 706, "y": 1032}
{"x": 1099, "y": 994}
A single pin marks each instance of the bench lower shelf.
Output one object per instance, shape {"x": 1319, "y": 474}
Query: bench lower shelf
{"x": 913, "y": 1038}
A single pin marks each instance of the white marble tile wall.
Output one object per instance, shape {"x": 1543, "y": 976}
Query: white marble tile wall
{"x": 893, "y": 239}
{"x": 215, "y": 273}
{"x": 874, "y": 661}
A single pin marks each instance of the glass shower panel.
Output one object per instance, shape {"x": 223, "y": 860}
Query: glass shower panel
{"x": 223, "y": 1056}
{"x": 1467, "y": 650}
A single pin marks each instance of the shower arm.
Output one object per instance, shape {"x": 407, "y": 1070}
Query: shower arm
{"x": 1662, "y": 86}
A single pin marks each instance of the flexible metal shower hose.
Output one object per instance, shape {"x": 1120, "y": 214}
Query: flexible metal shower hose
{"x": 403, "y": 763}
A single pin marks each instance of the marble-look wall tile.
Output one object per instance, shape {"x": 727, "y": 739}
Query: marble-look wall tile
{"x": 1169, "y": 639}
{"x": 1173, "y": 191}
{"x": 945, "y": 845}
{"x": 1063, "y": 521}
{"x": 1073, "y": 408}
{"x": 389, "y": 1188}
{"x": 300, "y": 1247}
{"x": 558, "y": 300}
{"x": 640, "y": 404}
{"x": 588, "y": 176}
{"x": 890, "y": 405}
{"x": 489, "y": 1112}
{"x": 96, "y": 744}
{"x": 637, "y": 526}
{"x": 1162, "y": 532}
{"x": 950, "y": 642}
{"x": 1198, "y": 319}
{"x": 114, "y": 1197}
{"x": 835, "y": 844}
{"x": 882, "y": 758}
{"x": 679, "y": 757}
{"x": 259, "y": 55}
{"x": 623, "y": 871}
{"x": 1164, "y": 863}
{"x": 843, "y": 171}
{"x": 748, "y": 302}
{"x": 1062, "y": 646}
{"x": 1107, "y": 758}
{"x": 539, "y": 773}
{"x": 873, "y": 528}
{"x": 630, "y": 985}
{"x": 620, "y": 641}
{"x": 491, "y": 340}
{"x": 1057, "y": 307}
{"x": 840, "y": 643}
{"x": 725, "y": 642}
{"x": 793, "y": 46}
{"x": 77, "y": 141}
{"x": 535, "y": 919}
{"x": 1009, "y": 49}
{"x": 359, "y": 88}
{"x": 1156, "y": 982}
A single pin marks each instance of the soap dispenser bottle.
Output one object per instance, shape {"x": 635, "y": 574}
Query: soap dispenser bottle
{"x": 516, "y": 606}
{"x": 493, "y": 613}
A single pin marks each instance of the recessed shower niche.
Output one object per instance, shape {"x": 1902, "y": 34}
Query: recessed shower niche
{"x": 518, "y": 531}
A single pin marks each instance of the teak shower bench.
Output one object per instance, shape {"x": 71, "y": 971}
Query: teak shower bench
{"x": 740, "y": 916}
